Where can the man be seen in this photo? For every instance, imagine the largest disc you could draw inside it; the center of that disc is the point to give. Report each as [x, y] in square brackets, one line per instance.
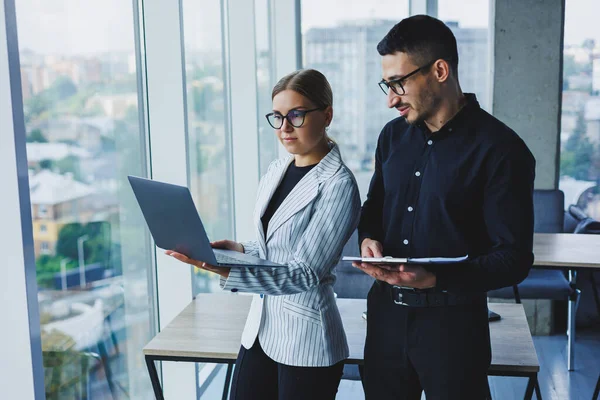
[450, 180]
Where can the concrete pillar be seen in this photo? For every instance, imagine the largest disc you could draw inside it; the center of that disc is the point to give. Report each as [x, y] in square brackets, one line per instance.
[527, 39]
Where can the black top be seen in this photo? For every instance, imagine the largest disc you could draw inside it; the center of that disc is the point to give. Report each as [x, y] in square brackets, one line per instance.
[292, 176]
[465, 189]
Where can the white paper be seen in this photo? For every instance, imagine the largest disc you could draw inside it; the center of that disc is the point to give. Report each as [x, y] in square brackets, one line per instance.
[394, 260]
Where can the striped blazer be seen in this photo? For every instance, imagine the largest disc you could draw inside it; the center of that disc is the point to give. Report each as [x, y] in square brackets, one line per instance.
[296, 317]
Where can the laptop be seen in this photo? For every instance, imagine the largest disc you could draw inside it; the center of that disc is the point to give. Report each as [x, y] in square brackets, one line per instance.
[175, 225]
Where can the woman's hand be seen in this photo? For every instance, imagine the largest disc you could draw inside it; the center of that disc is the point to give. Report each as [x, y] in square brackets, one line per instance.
[222, 271]
[228, 245]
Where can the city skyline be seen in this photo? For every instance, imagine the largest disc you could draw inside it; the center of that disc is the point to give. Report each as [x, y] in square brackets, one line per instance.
[74, 27]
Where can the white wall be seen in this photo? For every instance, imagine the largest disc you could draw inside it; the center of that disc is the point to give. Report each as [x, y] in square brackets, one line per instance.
[19, 337]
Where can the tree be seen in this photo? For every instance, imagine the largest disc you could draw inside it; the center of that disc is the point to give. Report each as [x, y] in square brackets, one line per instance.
[36, 136]
[47, 164]
[67, 240]
[61, 89]
[48, 266]
[580, 159]
[96, 248]
[69, 164]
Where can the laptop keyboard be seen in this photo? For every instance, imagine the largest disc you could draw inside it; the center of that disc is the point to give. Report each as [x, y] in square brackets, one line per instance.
[223, 259]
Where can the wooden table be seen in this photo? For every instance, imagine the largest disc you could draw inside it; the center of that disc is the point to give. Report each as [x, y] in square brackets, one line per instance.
[210, 329]
[566, 250]
[570, 252]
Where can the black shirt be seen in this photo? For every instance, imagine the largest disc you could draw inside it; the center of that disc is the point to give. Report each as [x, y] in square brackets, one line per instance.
[465, 189]
[292, 176]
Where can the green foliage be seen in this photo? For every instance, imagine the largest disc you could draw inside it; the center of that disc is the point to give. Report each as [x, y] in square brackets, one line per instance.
[69, 164]
[96, 249]
[61, 89]
[47, 266]
[47, 164]
[580, 159]
[36, 136]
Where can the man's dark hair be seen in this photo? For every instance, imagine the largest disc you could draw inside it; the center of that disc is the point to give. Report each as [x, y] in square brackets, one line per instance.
[424, 39]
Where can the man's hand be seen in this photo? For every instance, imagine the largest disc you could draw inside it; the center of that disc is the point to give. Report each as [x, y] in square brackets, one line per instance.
[371, 248]
[413, 276]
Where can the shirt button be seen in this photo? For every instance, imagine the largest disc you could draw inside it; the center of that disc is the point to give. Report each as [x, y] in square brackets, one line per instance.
[417, 173]
[410, 208]
[449, 129]
[405, 241]
[430, 142]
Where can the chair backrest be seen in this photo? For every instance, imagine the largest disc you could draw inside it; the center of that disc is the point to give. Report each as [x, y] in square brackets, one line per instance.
[548, 209]
[351, 283]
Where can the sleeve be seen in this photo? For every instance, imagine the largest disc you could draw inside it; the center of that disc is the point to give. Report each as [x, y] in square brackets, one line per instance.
[334, 218]
[508, 216]
[371, 214]
[251, 247]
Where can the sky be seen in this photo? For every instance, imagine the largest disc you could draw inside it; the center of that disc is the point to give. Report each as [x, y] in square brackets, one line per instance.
[95, 26]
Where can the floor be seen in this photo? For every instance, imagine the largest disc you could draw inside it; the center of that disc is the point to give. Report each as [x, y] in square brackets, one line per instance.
[556, 382]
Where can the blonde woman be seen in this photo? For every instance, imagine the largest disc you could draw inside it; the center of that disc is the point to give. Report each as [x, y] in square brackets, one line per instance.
[308, 205]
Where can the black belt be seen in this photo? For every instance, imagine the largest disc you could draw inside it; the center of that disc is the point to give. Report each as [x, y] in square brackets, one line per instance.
[410, 297]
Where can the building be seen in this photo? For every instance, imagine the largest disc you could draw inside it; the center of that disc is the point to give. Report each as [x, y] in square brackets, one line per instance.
[55, 201]
[591, 116]
[347, 55]
[38, 152]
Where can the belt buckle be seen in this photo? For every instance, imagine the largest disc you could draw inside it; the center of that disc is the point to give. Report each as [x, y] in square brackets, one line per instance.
[399, 288]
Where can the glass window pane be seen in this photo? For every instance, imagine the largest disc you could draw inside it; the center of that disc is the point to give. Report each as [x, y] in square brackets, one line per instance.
[268, 145]
[209, 147]
[470, 24]
[580, 119]
[80, 84]
[207, 123]
[341, 42]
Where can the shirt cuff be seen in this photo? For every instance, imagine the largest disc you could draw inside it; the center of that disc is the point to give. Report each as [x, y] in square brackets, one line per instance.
[227, 283]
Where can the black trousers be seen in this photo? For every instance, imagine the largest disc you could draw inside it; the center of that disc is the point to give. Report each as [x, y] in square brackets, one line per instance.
[258, 377]
[444, 351]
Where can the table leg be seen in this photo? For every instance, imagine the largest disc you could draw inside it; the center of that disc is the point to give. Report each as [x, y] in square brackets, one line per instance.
[227, 381]
[154, 378]
[597, 390]
[530, 387]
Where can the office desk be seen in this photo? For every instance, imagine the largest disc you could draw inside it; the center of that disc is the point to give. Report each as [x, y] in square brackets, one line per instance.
[570, 252]
[566, 250]
[210, 329]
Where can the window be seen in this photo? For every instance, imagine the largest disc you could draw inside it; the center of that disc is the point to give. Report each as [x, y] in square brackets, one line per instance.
[341, 42]
[470, 25]
[209, 146]
[268, 144]
[42, 211]
[580, 118]
[80, 85]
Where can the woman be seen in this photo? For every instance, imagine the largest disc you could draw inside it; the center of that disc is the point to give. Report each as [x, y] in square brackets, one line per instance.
[293, 345]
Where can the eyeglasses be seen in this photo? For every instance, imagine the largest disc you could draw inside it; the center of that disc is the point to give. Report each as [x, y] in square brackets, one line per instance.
[396, 84]
[294, 117]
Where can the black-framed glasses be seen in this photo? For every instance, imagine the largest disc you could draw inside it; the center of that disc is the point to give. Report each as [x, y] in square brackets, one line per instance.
[397, 85]
[294, 117]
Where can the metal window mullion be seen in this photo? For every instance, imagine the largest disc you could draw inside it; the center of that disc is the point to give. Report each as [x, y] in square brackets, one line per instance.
[168, 154]
[240, 45]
